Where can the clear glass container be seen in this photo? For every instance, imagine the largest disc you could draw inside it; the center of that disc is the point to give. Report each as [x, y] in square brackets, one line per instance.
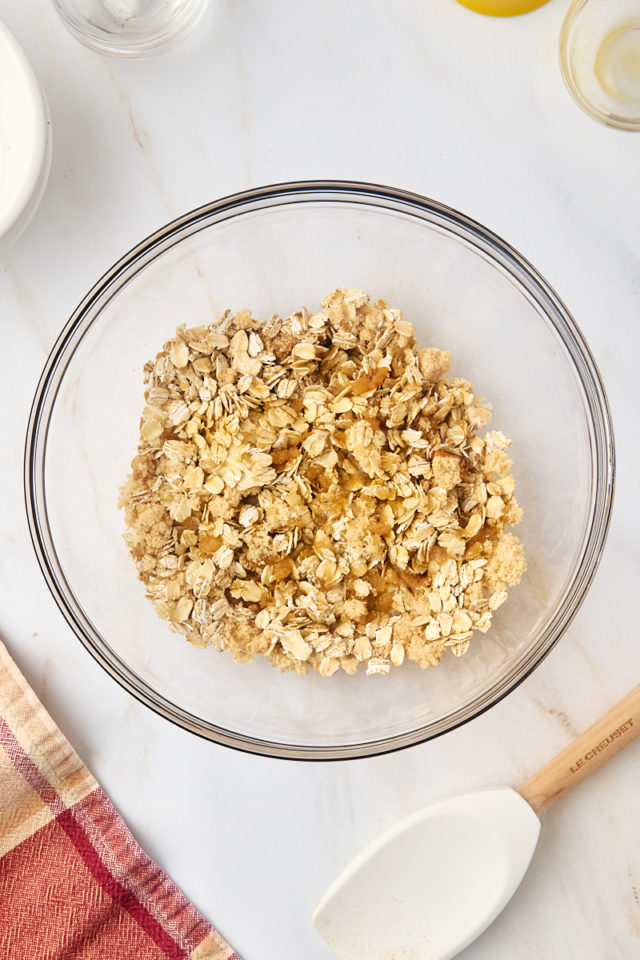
[274, 249]
[600, 59]
[129, 28]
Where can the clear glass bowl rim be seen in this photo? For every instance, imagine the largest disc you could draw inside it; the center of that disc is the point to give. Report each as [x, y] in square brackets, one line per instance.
[277, 195]
[123, 46]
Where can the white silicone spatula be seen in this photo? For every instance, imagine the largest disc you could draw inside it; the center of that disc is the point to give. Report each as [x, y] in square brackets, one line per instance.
[430, 885]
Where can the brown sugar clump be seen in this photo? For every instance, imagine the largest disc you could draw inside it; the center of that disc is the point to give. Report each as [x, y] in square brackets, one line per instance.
[313, 489]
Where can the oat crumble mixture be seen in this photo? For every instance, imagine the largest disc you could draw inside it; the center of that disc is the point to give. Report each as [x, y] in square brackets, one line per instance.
[314, 489]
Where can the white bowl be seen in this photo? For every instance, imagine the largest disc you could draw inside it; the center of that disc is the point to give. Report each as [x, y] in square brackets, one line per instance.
[25, 141]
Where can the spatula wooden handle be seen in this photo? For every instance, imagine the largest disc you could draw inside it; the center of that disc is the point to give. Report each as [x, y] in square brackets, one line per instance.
[584, 756]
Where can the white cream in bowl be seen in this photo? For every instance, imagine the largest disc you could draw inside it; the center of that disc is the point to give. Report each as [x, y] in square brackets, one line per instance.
[25, 143]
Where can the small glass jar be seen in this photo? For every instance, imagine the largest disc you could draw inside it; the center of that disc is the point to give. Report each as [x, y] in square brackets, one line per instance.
[600, 59]
[129, 28]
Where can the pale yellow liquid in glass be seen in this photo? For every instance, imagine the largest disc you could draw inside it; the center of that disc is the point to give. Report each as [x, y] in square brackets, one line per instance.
[617, 63]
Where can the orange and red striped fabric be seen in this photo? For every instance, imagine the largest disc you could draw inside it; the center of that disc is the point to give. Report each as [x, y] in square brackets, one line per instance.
[74, 883]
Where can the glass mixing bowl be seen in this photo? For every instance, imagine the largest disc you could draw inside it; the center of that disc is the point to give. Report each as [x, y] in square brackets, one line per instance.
[274, 249]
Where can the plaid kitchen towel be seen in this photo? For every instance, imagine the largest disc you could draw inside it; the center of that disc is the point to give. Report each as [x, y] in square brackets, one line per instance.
[74, 884]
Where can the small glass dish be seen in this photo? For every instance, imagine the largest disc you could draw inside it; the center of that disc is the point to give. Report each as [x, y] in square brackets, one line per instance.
[599, 55]
[130, 28]
[274, 249]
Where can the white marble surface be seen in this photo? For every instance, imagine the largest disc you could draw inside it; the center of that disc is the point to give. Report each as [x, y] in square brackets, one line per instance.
[419, 94]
